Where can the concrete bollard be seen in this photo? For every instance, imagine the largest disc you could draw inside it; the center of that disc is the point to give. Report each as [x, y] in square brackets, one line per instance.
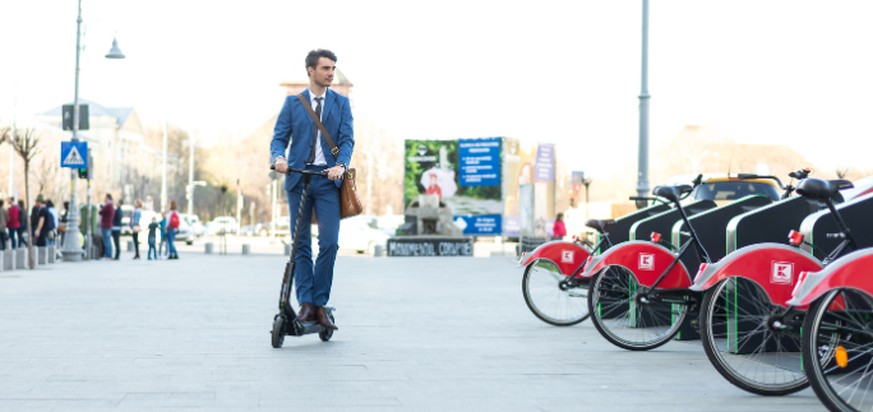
[208, 248]
[3, 261]
[41, 255]
[377, 251]
[246, 248]
[20, 258]
[52, 254]
[130, 246]
[287, 249]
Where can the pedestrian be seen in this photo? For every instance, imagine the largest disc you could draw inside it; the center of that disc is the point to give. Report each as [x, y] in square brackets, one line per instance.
[173, 221]
[107, 212]
[4, 222]
[13, 223]
[310, 150]
[116, 229]
[163, 250]
[34, 214]
[154, 226]
[44, 222]
[53, 234]
[135, 227]
[559, 230]
[23, 235]
[62, 222]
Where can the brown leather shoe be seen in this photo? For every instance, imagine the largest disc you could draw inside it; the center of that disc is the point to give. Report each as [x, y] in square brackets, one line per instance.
[323, 319]
[307, 313]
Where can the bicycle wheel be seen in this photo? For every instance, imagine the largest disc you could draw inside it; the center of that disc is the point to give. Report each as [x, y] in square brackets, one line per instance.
[838, 349]
[740, 341]
[624, 319]
[550, 297]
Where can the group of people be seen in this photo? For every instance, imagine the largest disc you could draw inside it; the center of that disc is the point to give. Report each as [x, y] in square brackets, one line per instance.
[43, 223]
[111, 225]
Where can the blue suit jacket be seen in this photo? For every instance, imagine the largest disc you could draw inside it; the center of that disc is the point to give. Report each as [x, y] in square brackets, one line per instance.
[295, 125]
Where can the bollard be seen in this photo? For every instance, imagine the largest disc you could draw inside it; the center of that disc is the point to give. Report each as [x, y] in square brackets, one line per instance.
[52, 252]
[20, 258]
[41, 255]
[246, 248]
[207, 248]
[130, 246]
[377, 251]
[3, 260]
[287, 249]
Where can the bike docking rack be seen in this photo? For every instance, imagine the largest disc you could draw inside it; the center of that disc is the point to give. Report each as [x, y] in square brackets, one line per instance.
[749, 333]
[640, 297]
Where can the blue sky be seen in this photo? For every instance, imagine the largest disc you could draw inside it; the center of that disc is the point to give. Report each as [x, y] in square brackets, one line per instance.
[777, 71]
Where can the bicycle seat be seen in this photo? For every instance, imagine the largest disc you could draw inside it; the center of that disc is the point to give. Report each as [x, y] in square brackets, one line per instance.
[817, 189]
[599, 224]
[671, 193]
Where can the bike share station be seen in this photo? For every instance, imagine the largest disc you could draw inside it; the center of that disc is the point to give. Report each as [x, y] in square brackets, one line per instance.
[456, 191]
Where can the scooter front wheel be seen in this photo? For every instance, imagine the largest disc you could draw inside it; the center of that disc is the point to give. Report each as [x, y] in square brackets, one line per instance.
[278, 334]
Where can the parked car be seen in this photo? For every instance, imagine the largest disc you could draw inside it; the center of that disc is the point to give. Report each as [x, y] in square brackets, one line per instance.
[222, 225]
[258, 229]
[184, 233]
[197, 228]
[361, 234]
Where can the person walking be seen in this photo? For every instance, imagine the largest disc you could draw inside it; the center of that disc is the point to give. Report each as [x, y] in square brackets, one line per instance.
[44, 222]
[173, 221]
[116, 229]
[135, 227]
[163, 250]
[309, 149]
[4, 222]
[107, 213]
[13, 223]
[53, 234]
[23, 236]
[154, 226]
[559, 229]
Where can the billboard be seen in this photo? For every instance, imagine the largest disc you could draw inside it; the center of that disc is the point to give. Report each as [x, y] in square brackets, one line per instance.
[465, 177]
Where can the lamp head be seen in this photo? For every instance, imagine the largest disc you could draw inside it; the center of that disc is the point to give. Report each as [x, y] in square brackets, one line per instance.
[114, 52]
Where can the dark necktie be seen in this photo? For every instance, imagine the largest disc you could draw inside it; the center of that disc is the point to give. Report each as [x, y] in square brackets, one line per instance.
[315, 135]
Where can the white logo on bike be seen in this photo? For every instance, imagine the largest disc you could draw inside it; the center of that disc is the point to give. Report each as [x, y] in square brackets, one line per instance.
[647, 261]
[566, 256]
[782, 273]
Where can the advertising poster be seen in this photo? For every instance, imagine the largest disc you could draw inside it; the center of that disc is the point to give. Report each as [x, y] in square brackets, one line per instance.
[464, 175]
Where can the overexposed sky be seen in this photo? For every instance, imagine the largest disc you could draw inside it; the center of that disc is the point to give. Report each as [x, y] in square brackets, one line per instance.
[776, 71]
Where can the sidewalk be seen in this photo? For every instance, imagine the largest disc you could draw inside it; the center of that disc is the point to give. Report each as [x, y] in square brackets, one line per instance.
[432, 334]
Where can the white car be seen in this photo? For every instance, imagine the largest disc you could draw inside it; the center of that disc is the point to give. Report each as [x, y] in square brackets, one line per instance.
[196, 228]
[222, 225]
[360, 233]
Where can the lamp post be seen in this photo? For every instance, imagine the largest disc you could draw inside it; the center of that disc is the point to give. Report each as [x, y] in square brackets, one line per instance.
[643, 165]
[72, 251]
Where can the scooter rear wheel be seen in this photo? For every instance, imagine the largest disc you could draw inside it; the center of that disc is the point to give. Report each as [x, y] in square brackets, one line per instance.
[278, 334]
[326, 334]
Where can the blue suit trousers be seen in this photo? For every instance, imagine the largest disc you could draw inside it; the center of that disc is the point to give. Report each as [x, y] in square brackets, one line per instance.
[313, 282]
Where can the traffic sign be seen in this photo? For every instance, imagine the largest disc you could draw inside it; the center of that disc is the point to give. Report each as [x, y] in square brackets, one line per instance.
[74, 155]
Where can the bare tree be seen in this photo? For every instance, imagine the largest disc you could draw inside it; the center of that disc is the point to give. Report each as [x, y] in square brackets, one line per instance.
[26, 144]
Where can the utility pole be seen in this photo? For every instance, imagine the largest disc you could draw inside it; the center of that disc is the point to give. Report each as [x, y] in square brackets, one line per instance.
[643, 163]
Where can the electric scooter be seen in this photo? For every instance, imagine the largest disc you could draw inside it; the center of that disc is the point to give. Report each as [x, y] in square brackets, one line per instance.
[285, 323]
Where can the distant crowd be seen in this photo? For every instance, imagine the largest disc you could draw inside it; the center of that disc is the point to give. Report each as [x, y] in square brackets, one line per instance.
[47, 227]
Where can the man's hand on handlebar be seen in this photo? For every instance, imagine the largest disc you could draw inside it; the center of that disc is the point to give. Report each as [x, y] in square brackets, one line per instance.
[335, 173]
[281, 165]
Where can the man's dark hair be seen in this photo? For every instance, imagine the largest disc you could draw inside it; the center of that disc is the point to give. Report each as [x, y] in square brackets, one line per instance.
[109, 196]
[314, 55]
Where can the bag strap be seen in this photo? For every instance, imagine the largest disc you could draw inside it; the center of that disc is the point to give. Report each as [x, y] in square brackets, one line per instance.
[324, 133]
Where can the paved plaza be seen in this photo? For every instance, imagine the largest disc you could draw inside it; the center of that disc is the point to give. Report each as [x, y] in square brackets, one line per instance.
[417, 334]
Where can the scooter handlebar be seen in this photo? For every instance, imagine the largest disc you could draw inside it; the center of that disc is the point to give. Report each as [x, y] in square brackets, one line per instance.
[302, 171]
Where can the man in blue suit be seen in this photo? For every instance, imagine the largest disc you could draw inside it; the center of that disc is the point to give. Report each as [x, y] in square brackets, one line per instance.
[310, 150]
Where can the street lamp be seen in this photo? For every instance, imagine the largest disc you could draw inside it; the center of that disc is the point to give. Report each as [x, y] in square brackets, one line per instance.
[72, 250]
